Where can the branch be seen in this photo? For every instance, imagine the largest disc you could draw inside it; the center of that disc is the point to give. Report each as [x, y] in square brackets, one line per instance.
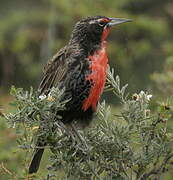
[156, 171]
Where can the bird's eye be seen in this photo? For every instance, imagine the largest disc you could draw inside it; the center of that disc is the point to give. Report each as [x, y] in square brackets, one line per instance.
[101, 23]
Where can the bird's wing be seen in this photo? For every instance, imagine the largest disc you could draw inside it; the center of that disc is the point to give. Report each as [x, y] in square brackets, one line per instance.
[54, 72]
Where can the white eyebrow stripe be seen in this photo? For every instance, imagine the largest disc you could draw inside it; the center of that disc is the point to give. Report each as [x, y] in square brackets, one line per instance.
[92, 22]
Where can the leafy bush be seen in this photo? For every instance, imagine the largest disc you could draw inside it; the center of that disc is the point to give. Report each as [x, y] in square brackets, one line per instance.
[135, 143]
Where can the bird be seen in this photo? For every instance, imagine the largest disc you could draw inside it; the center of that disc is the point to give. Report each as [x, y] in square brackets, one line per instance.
[80, 68]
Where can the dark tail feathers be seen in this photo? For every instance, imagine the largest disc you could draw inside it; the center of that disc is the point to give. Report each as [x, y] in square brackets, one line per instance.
[35, 163]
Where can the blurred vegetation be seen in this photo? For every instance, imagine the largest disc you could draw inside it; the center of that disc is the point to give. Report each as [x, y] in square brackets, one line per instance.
[32, 31]
[164, 80]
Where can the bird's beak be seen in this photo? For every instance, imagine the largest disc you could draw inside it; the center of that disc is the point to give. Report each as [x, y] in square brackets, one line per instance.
[116, 21]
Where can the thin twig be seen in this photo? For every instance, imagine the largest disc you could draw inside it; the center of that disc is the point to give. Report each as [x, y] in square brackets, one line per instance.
[157, 170]
[5, 169]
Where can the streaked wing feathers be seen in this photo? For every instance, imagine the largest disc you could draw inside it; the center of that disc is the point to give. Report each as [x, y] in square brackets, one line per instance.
[54, 72]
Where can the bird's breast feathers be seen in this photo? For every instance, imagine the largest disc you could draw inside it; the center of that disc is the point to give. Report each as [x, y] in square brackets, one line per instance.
[98, 67]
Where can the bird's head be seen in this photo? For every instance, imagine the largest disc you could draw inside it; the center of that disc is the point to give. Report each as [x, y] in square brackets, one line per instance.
[94, 30]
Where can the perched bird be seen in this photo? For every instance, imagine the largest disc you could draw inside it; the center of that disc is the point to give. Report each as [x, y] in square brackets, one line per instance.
[80, 67]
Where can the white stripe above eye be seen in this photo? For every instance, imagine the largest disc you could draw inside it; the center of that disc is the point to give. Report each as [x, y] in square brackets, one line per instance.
[94, 21]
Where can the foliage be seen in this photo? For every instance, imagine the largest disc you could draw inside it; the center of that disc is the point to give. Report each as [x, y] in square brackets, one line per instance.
[164, 78]
[136, 143]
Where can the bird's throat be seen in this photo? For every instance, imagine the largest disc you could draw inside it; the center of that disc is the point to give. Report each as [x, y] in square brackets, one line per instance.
[98, 67]
[105, 34]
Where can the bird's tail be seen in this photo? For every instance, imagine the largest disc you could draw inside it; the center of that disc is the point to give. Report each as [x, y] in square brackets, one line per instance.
[35, 163]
